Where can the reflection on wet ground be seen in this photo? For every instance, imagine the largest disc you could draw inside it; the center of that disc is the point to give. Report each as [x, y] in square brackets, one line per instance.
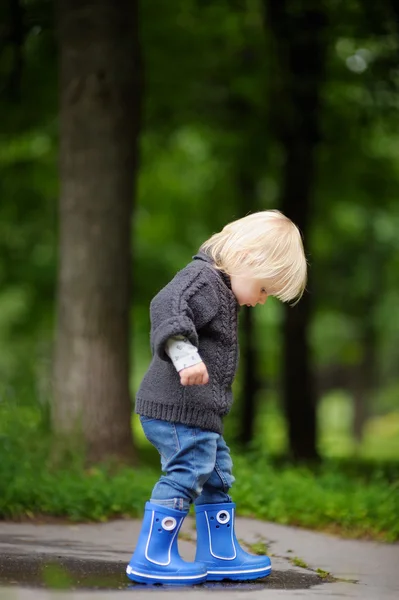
[40, 570]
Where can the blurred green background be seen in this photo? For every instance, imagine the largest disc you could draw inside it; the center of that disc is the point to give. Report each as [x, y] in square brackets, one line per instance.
[232, 115]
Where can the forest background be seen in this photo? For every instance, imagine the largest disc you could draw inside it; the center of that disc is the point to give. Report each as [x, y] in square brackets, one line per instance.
[129, 134]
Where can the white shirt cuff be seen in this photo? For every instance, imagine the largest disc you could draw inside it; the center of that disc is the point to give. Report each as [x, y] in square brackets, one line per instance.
[182, 353]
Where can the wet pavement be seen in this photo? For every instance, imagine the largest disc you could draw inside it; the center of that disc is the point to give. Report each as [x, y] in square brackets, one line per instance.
[76, 574]
[83, 562]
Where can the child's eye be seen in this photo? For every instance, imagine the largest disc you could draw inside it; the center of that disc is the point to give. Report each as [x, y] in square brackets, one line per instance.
[263, 291]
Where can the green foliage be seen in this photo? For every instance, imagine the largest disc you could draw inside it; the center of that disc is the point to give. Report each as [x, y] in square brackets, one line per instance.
[28, 188]
[259, 548]
[335, 416]
[206, 103]
[31, 486]
[323, 574]
[356, 499]
[299, 562]
[324, 498]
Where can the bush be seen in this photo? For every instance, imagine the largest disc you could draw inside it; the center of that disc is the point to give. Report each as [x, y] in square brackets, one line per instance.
[352, 498]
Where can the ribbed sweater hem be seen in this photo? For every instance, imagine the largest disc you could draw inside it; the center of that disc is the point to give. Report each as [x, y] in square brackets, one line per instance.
[180, 413]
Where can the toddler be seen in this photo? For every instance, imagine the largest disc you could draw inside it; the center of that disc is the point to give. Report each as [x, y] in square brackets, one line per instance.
[186, 392]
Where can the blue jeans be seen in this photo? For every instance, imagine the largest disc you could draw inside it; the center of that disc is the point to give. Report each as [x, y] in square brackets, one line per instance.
[197, 464]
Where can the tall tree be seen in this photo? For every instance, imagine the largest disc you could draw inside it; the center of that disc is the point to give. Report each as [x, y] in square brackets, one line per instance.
[99, 126]
[299, 32]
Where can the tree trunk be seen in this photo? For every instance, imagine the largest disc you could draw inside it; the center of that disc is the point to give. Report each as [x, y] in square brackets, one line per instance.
[299, 40]
[99, 124]
[249, 349]
[298, 386]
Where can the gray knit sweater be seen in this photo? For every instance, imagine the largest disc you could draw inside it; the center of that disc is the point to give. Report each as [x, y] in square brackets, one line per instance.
[199, 304]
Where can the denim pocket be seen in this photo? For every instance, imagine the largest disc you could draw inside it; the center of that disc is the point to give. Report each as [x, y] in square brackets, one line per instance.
[162, 435]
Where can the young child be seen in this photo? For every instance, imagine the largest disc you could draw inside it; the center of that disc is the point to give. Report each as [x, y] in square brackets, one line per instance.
[186, 392]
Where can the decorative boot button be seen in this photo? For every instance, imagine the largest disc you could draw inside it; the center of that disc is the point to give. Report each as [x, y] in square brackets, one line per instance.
[169, 523]
[223, 517]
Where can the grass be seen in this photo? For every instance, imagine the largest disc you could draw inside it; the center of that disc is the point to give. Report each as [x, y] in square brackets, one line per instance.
[327, 499]
[298, 562]
[323, 574]
[259, 548]
[354, 498]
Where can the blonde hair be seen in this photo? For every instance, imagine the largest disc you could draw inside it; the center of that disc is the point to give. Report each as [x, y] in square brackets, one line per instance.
[264, 245]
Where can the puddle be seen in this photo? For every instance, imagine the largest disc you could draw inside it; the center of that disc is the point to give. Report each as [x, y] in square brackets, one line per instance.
[65, 573]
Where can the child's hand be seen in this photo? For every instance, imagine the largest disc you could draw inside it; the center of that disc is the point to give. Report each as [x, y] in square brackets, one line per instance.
[195, 375]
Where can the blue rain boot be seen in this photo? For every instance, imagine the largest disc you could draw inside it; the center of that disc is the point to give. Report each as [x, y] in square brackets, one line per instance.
[156, 558]
[219, 550]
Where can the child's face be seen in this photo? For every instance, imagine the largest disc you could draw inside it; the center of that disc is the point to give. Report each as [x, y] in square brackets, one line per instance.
[249, 292]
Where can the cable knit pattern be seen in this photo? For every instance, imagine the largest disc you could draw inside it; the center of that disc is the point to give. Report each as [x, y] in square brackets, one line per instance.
[199, 304]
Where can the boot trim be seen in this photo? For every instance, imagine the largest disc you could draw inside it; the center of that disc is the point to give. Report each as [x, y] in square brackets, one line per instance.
[238, 571]
[231, 534]
[131, 571]
[176, 524]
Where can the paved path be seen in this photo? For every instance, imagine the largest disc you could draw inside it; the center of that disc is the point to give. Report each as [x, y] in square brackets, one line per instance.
[96, 555]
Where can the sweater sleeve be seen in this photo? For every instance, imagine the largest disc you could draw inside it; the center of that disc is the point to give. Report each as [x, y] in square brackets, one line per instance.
[182, 307]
